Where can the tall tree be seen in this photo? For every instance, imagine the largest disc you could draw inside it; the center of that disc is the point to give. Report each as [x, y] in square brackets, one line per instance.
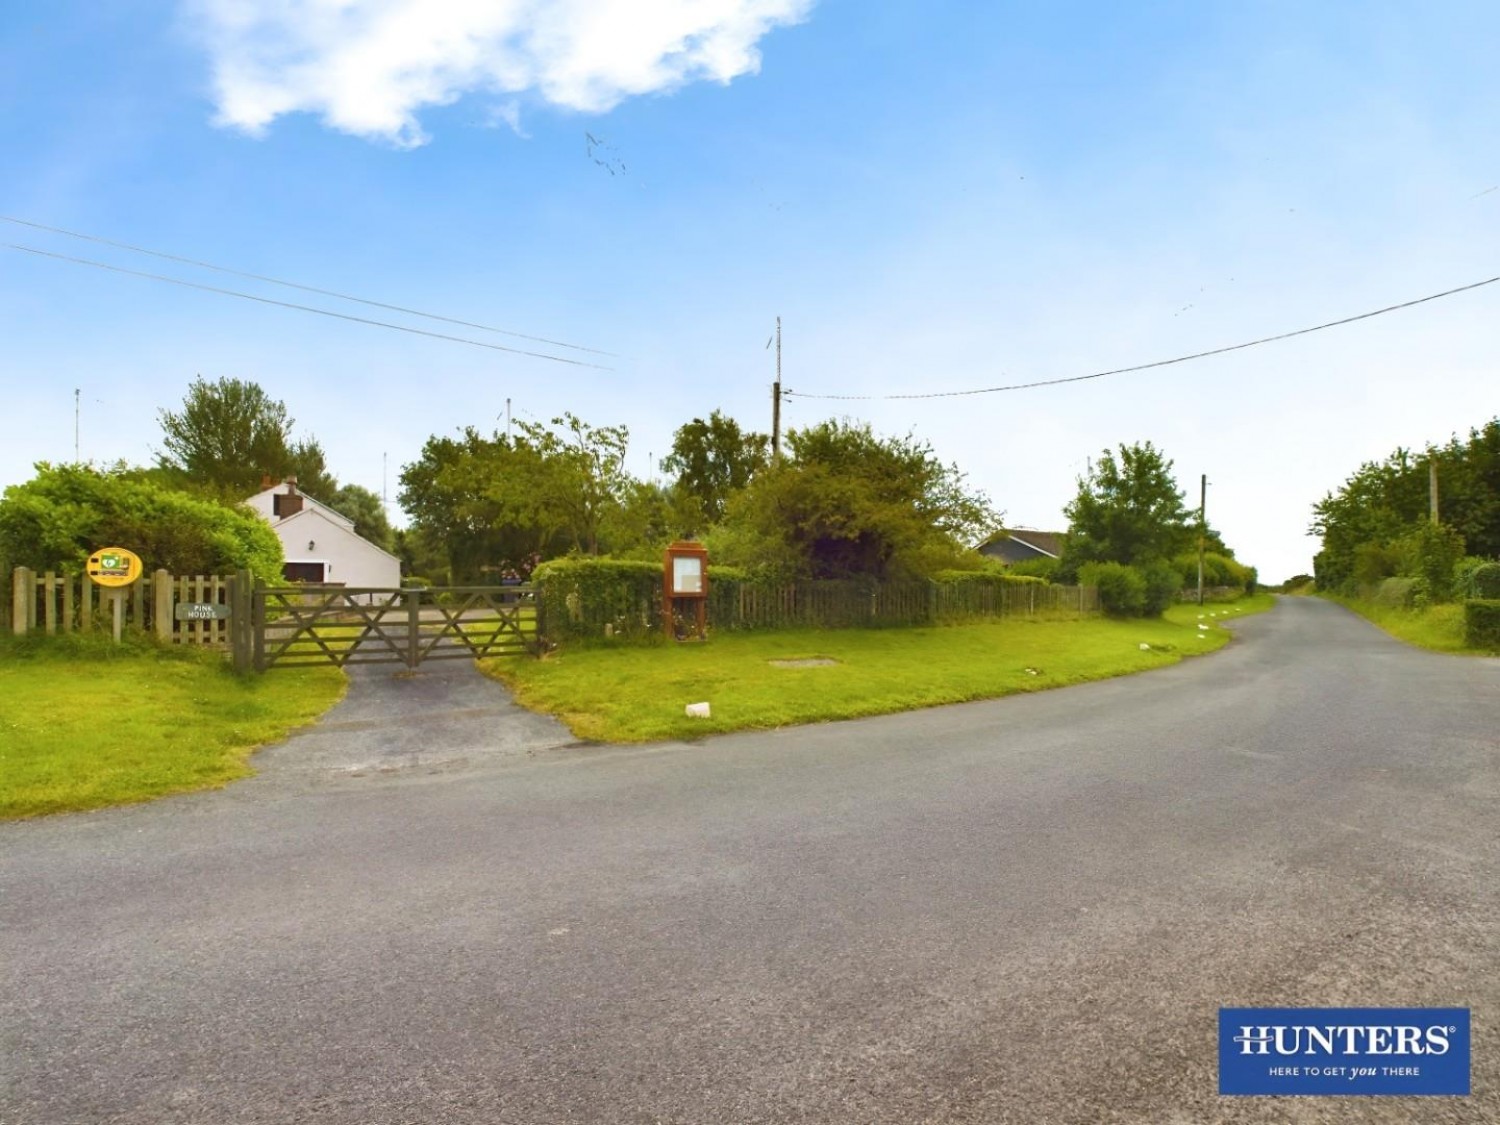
[501, 501]
[227, 435]
[368, 513]
[578, 474]
[230, 434]
[714, 459]
[847, 503]
[307, 462]
[1128, 510]
[1370, 522]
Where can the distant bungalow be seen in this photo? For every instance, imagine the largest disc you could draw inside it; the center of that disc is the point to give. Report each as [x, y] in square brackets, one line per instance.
[1021, 544]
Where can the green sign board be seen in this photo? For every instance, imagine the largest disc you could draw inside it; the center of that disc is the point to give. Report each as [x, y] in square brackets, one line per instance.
[201, 611]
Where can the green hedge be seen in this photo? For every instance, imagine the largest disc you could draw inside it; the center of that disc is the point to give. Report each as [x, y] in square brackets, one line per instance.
[577, 598]
[985, 578]
[1482, 624]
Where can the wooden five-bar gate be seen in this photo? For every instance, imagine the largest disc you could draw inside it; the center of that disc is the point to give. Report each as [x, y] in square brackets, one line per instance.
[345, 625]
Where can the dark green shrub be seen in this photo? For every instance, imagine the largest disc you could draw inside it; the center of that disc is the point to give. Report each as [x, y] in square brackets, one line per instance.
[1162, 584]
[1430, 553]
[1463, 576]
[1373, 562]
[1482, 624]
[1485, 581]
[1122, 589]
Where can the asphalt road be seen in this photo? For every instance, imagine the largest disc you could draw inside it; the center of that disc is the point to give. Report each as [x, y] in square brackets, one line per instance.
[1021, 911]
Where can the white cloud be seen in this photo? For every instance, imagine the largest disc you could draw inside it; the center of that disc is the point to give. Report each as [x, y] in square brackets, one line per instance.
[368, 67]
[507, 114]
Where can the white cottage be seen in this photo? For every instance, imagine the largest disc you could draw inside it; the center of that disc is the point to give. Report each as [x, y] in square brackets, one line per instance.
[320, 544]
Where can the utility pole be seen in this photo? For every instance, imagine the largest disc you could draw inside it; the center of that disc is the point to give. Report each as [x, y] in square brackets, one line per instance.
[77, 410]
[507, 420]
[1202, 529]
[1432, 493]
[776, 400]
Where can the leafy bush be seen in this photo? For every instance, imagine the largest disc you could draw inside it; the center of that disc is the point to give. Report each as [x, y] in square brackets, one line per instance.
[1397, 593]
[1162, 585]
[56, 520]
[1373, 563]
[1122, 589]
[1485, 581]
[1430, 553]
[1482, 623]
[1045, 569]
[1218, 570]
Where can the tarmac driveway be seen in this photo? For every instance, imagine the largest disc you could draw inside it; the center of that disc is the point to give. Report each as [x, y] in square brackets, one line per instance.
[444, 715]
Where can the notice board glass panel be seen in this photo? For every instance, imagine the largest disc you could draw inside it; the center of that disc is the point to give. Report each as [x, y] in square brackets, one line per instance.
[687, 575]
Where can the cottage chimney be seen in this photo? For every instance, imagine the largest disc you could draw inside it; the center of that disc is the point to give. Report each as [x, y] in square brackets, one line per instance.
[266, 481]
[287, 503]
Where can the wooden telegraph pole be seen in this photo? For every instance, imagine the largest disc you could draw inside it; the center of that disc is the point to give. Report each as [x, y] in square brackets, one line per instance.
[776, 400]
[1202, 529]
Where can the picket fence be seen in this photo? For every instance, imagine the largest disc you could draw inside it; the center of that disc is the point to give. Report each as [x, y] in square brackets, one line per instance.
[51, 603]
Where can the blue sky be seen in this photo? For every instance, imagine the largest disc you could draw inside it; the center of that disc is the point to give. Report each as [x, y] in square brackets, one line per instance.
[933, 197]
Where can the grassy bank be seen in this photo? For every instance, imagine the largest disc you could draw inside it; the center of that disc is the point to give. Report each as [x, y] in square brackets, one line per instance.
[636, 694]
[1438, 627]
[84, 724]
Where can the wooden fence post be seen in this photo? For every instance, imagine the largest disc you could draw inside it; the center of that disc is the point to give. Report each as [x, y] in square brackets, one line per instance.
[241, 627]
[85, 603]
[18, 601]
[49, 602]
[161, 605]
[258, 625]
[413, 622]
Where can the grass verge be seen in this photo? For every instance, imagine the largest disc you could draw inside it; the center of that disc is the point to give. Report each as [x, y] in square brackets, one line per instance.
[1438, 627]
[85, 724]
[629, 693]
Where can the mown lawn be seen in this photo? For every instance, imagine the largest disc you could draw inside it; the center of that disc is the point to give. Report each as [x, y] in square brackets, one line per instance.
[628, 693]
[84, 725]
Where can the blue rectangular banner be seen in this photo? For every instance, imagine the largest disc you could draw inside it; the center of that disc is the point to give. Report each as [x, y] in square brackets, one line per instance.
[1399, 1051]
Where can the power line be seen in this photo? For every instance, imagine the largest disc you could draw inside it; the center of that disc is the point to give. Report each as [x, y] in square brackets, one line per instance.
[300, 308]
[1159, 362]
[295, 285]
